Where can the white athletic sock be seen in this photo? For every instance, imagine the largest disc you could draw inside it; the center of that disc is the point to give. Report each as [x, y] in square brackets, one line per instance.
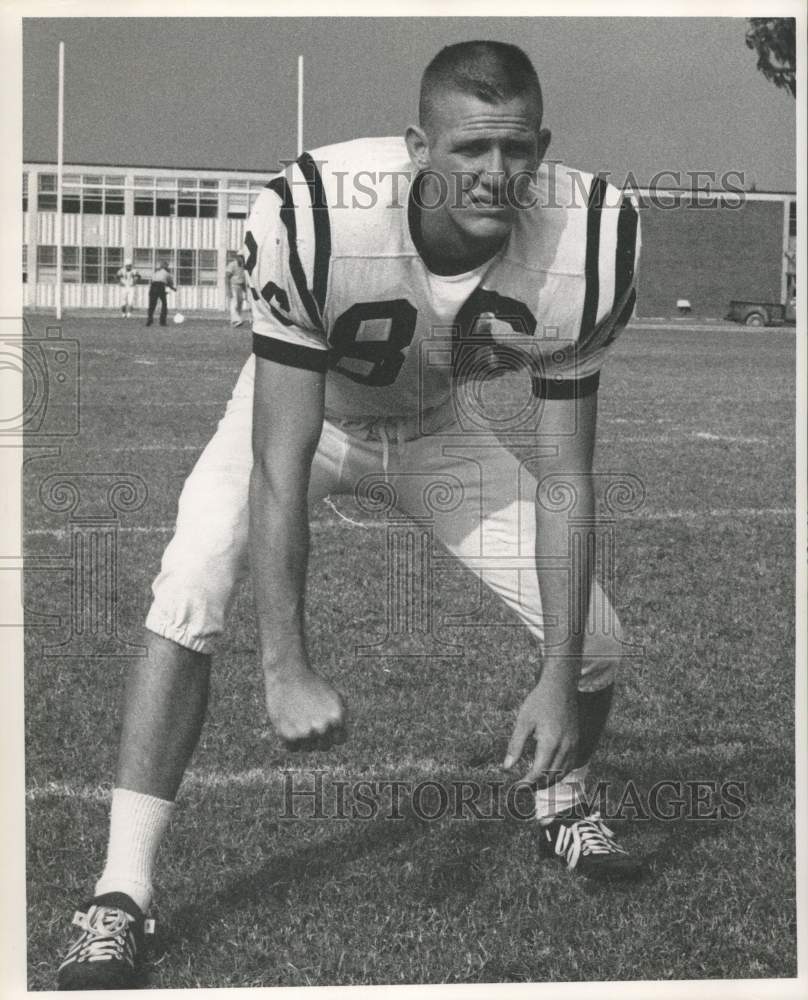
[136, 827]
[562, 795]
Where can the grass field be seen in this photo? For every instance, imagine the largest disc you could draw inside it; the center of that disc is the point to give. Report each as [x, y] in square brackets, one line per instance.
[247, 898]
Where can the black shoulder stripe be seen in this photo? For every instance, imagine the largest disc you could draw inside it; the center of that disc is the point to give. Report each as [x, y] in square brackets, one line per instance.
[279, 316]
[589, 313]
[281, 188]
[627, 310]
[568, 388]
[626, 250]
[294, 355]
[252, 248]
[322, 227]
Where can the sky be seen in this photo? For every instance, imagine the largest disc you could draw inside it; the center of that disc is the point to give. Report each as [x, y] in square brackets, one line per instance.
[638, 95]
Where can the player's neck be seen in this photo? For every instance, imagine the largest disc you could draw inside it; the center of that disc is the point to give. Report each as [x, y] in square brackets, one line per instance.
[445, 253]
[444, 249]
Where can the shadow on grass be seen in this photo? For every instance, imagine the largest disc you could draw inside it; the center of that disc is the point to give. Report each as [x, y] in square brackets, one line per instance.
[433, 862]
[454, 864]
[762, 777]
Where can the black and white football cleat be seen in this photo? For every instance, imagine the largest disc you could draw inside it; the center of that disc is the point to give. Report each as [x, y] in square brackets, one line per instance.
[586, 845]
[108, 954]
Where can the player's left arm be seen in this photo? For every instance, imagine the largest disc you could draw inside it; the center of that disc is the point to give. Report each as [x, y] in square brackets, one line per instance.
[549, 713]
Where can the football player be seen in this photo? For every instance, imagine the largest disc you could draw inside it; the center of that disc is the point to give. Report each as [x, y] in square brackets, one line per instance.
[235, 280]
[388, 276]
[127, 278]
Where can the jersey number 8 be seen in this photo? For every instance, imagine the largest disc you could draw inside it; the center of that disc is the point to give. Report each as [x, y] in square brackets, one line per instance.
[368, 341]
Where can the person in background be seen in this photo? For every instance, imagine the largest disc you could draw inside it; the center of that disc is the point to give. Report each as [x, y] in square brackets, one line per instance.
[161, 279]
[235, 285]
[128, 278]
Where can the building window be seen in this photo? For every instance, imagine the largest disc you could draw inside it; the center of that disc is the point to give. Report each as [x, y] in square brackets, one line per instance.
[89, 265]
[143, 261]
[207, 273]
[25, 191]
[187, 198]
[71, 265]
[241, 197]
[208, 199]
[165, 203]
[189, 267]
[197, 199]
[46, 193]
[71, 194]
[186, 266]
[144, 196]
[113, 262]
[113, 195]
[237, 199]
[46, 264]
[792, 219]
[92, 195]
[146, 260]
[196, 267]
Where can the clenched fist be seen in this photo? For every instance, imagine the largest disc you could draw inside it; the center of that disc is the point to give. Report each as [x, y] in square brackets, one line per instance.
[305, 710]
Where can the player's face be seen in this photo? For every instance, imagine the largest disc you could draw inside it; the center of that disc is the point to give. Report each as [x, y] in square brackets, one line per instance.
[487, 155]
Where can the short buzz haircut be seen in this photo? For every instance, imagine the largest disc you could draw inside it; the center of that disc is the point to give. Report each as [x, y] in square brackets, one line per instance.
[491, 71]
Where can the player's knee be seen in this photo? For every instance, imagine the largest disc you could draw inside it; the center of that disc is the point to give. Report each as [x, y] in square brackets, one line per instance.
[193, 592]
[163, 650]
[191, 620]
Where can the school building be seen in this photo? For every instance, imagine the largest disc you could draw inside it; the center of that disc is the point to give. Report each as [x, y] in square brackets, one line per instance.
[707, 250]
[192, 219]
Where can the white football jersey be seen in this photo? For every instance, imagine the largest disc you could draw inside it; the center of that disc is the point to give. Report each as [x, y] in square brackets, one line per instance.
[339, 286]
[128, 279]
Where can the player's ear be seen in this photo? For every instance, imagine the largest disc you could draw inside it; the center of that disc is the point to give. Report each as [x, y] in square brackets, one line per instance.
[417, 146]
[544, 142]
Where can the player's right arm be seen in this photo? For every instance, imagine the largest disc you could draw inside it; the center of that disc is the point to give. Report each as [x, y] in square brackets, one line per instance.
[291, 361]
[303, 707]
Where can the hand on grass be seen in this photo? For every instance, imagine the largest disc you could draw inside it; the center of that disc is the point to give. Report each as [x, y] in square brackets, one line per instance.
[550, 715]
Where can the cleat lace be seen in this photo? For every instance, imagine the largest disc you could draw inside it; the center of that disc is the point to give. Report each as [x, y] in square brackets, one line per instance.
[107, 937]
[584, 837]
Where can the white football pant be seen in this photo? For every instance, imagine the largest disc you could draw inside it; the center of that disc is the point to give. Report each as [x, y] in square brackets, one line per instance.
[475, 496]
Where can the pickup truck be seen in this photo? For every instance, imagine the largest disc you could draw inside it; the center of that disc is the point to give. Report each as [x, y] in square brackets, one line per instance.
[752, 313]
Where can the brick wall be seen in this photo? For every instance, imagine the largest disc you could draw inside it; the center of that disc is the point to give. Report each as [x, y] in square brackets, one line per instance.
[709, 256]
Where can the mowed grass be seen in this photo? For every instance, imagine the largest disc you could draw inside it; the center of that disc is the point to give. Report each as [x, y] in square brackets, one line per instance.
[249, 898]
